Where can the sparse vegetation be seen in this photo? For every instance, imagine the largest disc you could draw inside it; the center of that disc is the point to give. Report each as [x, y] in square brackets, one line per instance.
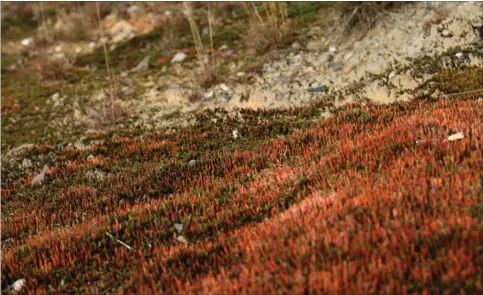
[270, 26]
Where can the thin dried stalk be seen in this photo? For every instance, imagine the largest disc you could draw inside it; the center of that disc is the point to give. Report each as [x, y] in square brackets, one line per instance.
[106, 57]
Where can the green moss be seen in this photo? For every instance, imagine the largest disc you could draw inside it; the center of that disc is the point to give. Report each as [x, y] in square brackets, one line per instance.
[7, 61]
[18, 26]
[304, 12]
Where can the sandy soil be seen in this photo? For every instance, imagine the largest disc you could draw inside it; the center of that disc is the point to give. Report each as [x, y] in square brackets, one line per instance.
[417, 30]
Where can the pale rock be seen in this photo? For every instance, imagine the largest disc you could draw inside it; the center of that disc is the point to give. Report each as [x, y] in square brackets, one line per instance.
[18, 285]
[456, 136]
[224, 87]
[28, 41]
[208, 95]
[178, 57]
[178, 227]
[143, 65]
[39, 179]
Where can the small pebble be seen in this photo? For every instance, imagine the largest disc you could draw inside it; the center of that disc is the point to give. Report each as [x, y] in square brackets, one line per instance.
[27, 42]
[446, 33]
[456, 136]
[336, 66]
[178, 227]
[208, 95]
[38, 179]
[224, 87]
[224, 98]
[178, 57]
[317, 89]
[18, 285]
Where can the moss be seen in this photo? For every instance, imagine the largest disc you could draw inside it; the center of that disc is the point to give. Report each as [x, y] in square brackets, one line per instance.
[304, 12]
[229, 35]
[18, 26]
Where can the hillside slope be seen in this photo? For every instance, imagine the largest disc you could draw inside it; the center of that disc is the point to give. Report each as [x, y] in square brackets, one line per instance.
[372, 200]
[283, 174]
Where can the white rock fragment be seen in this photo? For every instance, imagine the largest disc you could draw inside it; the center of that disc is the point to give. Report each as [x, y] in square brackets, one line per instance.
[332, 49]
[223, 47]
[235, 133]
[456, 136]
[178, 57]
[191, 163]
[90, 157]
[178, 227]
[208, 95]
[391, 75]
[143, 65]
[28, 41]
[446, 33]
[459, 55]
[17, 286]
[224, 87]
[38, 179]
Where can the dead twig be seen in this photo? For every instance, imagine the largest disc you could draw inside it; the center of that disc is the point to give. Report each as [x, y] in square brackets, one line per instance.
[451, 95]
[119, 241]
